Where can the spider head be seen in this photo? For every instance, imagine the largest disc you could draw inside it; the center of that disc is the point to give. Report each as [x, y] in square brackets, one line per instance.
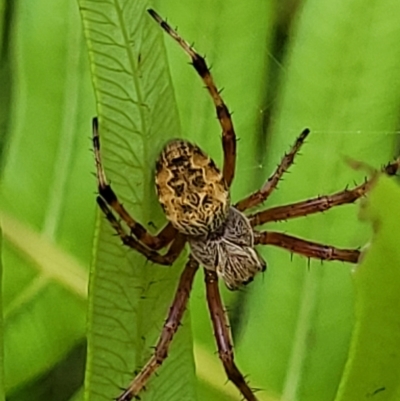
[191, 189]
[229, 251]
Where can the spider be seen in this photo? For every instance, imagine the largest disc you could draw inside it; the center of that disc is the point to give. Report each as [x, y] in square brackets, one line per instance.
[194, 194]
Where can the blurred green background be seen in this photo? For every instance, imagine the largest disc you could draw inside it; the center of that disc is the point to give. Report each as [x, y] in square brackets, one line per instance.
[330, 65]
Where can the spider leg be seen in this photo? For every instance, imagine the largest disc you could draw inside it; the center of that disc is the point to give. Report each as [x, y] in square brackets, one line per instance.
[164, 237]
[261, 196]
[223, 114]
[168, 259]
[306, 248]
[319, 203]
[222, 335]
[170, 327]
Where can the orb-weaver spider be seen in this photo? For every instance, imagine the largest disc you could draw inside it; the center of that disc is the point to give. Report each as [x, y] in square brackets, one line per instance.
[194, 195]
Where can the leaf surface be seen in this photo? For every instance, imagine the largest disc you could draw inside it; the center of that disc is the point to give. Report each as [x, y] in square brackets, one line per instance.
[129, 298]
[43, 191]
[373, 365]
[341, 81]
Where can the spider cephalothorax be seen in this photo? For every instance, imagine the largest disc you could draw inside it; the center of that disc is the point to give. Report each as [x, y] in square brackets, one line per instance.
[195, 197]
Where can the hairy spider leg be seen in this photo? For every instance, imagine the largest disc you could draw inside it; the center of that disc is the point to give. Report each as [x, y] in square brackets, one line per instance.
[319, 203]
[223, 336]
[304, 208]
[170, 327]
[168, 259]
[262, 195]
[223, 114]
[306, 248]
[163, 238]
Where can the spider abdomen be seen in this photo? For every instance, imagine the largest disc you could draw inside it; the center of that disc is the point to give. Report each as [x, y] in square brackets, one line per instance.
[191, 189]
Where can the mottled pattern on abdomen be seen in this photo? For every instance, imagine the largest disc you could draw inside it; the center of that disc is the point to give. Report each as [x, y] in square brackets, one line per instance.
[191, 189]
[230, 251]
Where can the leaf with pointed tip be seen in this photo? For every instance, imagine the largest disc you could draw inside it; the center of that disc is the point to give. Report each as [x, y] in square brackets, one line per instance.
[129, 297]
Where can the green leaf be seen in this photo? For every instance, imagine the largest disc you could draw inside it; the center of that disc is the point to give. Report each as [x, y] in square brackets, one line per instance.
[2, 387]
[129, 298]
[373, 365]
[341, 81]
[44, 194]
[78, 396]
[7, 11]
[5, 101]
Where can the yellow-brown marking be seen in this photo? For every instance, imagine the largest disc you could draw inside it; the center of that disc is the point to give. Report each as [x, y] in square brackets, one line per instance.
[191, 189]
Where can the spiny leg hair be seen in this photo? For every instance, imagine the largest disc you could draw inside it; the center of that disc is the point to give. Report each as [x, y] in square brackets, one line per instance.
[170, 327]
[262, 195]
[306, 248]
[319, 203]
[163, 238]
[303, 247]
[223, 114]
[168, 259]
[222, 335]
